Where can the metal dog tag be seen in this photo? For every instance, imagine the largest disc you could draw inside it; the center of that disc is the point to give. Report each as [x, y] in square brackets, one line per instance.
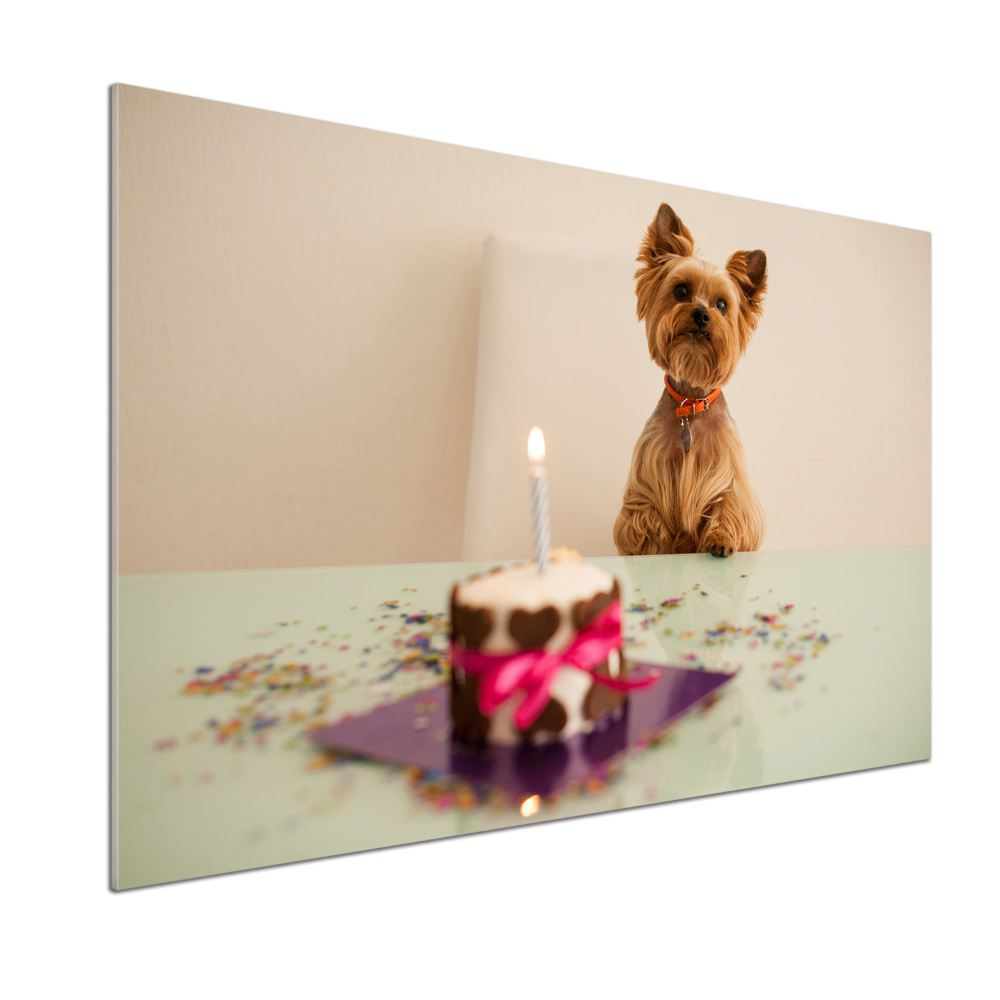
[686, 435]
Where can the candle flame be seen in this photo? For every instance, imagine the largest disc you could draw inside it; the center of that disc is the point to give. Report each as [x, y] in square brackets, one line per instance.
[530, 806]
[536, 445]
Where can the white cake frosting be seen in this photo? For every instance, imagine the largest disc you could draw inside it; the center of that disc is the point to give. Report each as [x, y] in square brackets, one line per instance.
[525, 588]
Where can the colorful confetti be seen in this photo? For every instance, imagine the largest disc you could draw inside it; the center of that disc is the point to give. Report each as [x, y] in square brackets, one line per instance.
[420, 651]
[284, 691]
[784, 648]
[653, 616]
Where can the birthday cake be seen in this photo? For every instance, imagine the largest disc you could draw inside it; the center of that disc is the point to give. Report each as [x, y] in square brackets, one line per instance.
[536, 656]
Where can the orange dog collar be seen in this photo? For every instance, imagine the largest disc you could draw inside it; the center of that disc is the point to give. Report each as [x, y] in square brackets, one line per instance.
[696, 405]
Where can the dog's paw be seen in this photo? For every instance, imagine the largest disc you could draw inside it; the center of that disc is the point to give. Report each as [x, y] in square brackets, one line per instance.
[719, 550]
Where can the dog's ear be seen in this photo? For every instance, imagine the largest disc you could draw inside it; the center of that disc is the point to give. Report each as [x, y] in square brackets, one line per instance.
[748, 268]
[668, 236]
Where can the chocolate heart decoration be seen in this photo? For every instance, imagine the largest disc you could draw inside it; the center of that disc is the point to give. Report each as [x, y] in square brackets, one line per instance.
[532, 629]
[600, 699]
[583, 611]
[552, 720]
[470, 626]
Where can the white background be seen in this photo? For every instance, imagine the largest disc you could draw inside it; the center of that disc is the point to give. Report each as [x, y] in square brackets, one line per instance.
[878, 883]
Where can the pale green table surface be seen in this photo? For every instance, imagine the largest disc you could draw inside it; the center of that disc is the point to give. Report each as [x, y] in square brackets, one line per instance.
[197, 791]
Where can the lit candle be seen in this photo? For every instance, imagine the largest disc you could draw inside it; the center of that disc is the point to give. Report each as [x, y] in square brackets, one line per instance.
[539, 497]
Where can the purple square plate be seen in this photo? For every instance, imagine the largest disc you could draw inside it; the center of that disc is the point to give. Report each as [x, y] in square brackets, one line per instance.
[417, 732]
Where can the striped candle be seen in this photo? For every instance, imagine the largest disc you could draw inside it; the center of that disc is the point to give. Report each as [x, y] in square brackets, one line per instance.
[539, 497]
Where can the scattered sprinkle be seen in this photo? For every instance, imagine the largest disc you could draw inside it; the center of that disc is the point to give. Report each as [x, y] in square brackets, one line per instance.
[787, 648]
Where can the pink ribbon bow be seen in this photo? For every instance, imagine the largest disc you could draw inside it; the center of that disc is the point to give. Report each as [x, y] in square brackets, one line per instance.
[501, 675]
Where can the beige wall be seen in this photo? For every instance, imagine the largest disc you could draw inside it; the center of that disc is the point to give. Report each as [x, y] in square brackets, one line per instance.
[297, 319]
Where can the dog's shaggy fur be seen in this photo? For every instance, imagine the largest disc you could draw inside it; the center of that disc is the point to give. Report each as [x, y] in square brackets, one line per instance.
[699, 320]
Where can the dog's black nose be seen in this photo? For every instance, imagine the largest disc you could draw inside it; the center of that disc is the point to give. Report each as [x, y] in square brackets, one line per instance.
[700, 316]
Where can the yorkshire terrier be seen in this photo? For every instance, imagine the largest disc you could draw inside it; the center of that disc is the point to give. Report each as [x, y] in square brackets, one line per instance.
[688, 489]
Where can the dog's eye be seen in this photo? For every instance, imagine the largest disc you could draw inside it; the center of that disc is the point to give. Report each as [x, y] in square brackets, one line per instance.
[681, 292]
[720, 304]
